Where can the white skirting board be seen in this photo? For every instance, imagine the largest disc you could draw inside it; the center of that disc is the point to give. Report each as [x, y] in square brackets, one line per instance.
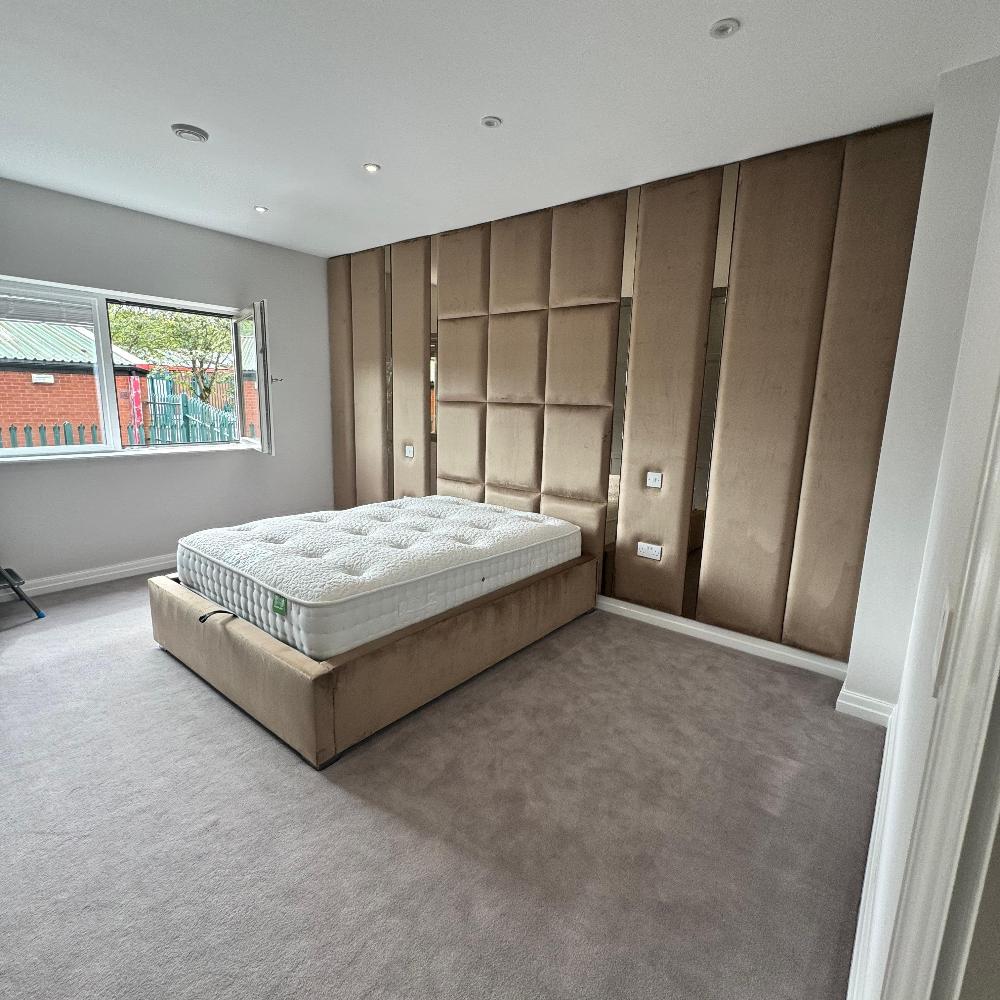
[99, 574]
[863, 706]
[724, 637]
[860, 984]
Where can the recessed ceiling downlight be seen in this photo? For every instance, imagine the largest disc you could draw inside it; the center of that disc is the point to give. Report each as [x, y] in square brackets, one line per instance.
[372, 168]
[189, 132]
[490, 121]
[725, 28]
[260, 209]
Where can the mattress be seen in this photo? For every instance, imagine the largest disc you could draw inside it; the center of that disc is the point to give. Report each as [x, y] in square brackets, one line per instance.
[332, 580]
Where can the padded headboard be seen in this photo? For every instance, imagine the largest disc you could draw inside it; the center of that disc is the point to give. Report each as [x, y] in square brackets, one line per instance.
[527, 337]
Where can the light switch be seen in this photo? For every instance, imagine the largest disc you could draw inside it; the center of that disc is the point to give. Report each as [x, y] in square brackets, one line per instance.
[407, 451]
[647, 550]
[654, 480]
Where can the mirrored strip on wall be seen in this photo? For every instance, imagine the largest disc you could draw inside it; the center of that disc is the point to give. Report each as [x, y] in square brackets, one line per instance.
[621, 387]
[710, 386]
[389, 440]
[433, 374]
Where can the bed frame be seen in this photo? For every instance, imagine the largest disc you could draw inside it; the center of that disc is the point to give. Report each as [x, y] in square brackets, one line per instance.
[321, 708]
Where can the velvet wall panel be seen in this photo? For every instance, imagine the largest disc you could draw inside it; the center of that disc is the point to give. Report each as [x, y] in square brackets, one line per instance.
[786, 211]
[879, 193]
[342, 380]
[675, 257]
[370, 389]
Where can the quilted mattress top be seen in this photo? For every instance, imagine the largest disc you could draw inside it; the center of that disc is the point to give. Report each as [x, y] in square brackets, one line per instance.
[331, 555]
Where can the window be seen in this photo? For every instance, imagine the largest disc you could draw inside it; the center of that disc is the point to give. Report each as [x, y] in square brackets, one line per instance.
[84, 371]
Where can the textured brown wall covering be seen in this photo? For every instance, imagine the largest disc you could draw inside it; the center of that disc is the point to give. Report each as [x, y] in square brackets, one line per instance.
[528, 313]
[370, 400]
[411, 352]
[342, 381]
[675, 257]
[871, 255]
[786, 209]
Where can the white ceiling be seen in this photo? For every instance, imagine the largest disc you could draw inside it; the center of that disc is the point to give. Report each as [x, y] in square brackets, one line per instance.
[596, 95]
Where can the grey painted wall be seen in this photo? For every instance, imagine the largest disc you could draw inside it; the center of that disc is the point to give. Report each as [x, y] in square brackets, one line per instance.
[78, 514]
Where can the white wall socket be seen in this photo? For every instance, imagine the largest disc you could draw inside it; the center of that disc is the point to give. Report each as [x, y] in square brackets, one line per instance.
[407, 451]
[647, 550]
[654, 480]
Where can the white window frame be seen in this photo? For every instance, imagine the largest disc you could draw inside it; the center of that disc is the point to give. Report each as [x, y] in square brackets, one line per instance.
[104, 372]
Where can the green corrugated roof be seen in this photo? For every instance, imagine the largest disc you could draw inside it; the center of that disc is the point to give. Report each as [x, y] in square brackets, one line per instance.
[60, 343]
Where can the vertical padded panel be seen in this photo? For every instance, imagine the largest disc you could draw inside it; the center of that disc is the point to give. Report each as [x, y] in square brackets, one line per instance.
[577, 451]
[583, 343]
[514, 446]
[588, 239]
[462, 360]
[519, 262]
[675, 258]
[368, 315]
[514, 499]
[871, 255]
[338, 271]
[786, 210]
[464, 272]
[517, 357]
[461, 441]
[411, 358]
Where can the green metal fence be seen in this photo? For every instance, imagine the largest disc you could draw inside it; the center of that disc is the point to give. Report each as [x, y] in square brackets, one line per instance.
[45, 435]
[175, 416]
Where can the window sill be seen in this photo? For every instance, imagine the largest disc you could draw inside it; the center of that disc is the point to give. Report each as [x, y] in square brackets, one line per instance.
[97, 453]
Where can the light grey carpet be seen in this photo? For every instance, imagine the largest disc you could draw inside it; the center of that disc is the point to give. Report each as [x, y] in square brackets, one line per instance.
[616, 812]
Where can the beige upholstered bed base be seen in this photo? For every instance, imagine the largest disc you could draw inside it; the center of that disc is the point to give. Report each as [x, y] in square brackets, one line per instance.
[322, 708]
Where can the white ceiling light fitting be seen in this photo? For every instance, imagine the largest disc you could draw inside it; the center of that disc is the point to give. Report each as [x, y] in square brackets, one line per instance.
[490, 121]
[191, 133]
[372, 168]
[260, 209]
[725, 28]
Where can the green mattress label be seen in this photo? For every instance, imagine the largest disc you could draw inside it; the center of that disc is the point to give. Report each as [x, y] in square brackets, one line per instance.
[279, 604]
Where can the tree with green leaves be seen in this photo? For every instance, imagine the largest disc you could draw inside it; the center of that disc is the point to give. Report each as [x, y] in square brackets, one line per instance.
[172, 339]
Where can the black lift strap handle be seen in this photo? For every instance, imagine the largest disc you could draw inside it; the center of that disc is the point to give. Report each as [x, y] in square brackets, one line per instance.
[218, 611]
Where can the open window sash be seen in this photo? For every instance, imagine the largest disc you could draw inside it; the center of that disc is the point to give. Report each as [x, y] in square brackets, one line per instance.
[254, 380]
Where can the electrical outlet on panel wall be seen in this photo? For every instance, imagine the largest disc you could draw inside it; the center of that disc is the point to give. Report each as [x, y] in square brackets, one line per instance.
[647, 550]
[654, 480]
[407, 451]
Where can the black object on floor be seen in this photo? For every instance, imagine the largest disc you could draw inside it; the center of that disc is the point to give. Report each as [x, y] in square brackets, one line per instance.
[12, 579]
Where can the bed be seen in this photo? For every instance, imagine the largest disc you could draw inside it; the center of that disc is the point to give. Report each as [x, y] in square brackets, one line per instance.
[330, 625]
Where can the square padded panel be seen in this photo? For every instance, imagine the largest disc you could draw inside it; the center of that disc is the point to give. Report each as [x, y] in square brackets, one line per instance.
[461, 371]
[463, 272]
[461, 441]
[519, 262]
[457, 488]
[513, 499]
[582, 349]
[517, 357]
[514, 445]
[588, 239]
[577, 451]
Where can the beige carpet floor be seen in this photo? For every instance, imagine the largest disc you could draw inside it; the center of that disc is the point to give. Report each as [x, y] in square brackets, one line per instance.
[615, 812]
